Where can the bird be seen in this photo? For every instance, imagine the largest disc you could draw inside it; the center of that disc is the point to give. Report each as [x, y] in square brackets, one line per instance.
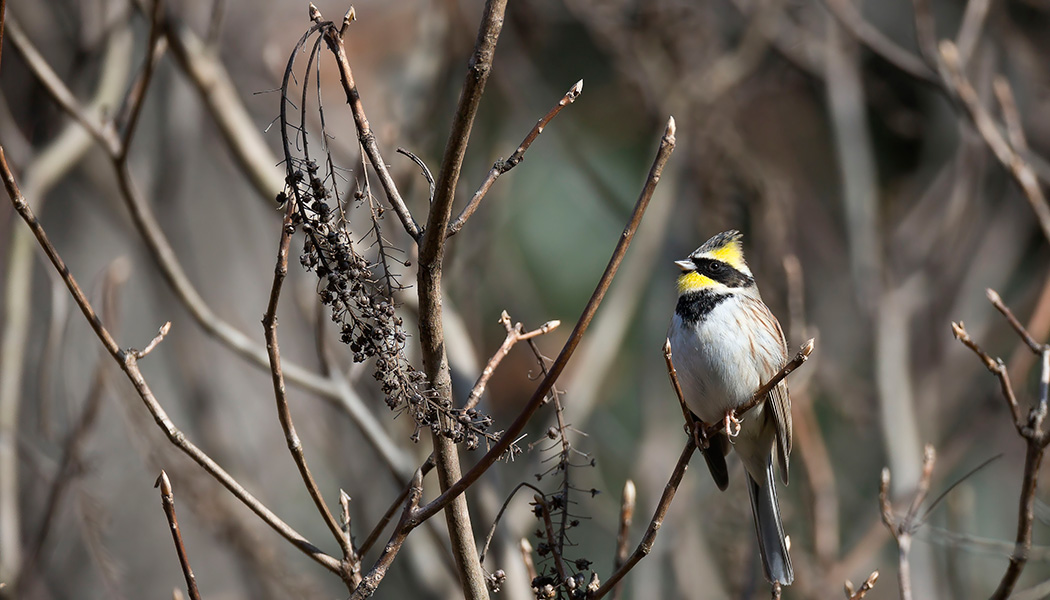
[725, 344]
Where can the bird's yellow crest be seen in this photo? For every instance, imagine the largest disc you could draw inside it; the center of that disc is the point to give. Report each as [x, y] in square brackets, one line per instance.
[731, 253]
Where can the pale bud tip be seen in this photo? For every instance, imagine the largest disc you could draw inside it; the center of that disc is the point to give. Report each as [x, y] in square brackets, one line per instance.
[993, 295]
[949, 51]
[163, 483]
[629, 492]
[671, 127]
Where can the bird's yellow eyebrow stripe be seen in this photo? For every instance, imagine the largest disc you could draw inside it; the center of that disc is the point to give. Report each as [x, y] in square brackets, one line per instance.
[693, 281]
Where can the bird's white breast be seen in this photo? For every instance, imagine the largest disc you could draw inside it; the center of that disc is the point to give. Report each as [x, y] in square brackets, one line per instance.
[716, 360]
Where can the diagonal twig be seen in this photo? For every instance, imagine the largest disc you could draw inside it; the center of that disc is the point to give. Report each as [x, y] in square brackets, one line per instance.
[502, 166]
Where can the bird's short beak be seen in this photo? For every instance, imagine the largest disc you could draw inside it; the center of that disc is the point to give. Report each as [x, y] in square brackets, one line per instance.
[685, 265]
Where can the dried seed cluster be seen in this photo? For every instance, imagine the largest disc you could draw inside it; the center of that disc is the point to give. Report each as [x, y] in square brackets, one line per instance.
[359, 293]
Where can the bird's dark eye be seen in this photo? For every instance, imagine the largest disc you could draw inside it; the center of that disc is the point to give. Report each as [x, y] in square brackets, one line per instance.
[715, 267]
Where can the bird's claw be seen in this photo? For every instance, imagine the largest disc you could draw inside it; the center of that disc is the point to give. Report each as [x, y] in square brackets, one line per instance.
[732, 424]
[700, 435]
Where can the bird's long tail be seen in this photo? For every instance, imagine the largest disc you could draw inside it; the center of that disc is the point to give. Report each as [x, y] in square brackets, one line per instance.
[771, 541]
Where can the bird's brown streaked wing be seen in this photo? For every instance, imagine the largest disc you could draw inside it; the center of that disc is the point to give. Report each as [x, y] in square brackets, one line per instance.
[779, 399]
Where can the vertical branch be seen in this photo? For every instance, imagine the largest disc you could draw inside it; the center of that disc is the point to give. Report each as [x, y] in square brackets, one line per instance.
[627, 504]
[167, 498]
[431, 262]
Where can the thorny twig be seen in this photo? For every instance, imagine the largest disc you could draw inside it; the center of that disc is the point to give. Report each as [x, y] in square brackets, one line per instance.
[167, 498]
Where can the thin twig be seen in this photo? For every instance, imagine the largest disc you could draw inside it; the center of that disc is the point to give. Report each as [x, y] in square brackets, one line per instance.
[375, 575]
[970, 30]
[998, 368]
[858, 594]
[398, 502]
[1011, 116]
[673, 374]
[515, 334]
[902, 530]
[284, 414]
[1029, 341]
[646, 544]
[552, 542]
[1010, 157]
[334, 39]
[711, 429]
[422, 167]
[526, 557]
[502, 166]
[499, 515]
[167, 498]
[164, 329]
[69, 464]
[137, 94]
[850, 18]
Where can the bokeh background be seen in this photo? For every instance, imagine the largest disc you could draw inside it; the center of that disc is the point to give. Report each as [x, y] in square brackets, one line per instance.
[873, 214]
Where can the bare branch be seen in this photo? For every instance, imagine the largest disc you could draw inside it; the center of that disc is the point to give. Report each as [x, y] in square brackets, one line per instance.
[284, 414]
[902, 530]
[998, 368]
[646, 544]
[334, 38]
[852, 20]
[1010, 158]
[167, 499]
[129, 365]
[137, 94]
[164, 329]
[375, 575]
[711, 429]
[997, 302]
[515, 334]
